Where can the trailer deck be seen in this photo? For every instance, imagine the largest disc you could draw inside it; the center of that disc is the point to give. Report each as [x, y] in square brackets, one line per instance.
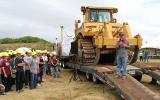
[129, 88]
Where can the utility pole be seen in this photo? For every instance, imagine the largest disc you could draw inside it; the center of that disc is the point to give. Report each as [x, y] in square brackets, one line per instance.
[56, 46]
[62, 34]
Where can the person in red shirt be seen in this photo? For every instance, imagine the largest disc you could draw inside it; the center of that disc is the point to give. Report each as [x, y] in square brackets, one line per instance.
[41, 64]
[6, 73]
[55, 67]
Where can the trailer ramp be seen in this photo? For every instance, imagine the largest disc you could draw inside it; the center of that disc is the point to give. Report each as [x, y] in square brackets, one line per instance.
[131, 89]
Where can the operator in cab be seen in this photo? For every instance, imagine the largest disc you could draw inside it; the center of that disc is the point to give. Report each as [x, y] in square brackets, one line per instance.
[122, 47]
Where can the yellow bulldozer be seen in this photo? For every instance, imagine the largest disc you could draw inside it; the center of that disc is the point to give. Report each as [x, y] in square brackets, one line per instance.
[95, 40]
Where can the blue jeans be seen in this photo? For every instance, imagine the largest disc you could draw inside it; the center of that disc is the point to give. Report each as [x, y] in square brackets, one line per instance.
[121, 66]
[34, 80]
[44, 70]
[56, 71]
[0, 79]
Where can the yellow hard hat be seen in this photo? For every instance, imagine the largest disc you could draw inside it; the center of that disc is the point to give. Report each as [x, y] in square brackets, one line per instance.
[45, 51]
[34, 53]
[1, 54]
[54, 53]
[5, 54]
[38, 51]
[14, 52]
[10, 53]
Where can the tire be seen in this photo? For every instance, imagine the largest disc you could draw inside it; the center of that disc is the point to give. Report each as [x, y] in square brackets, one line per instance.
[88, 76]
[95, 80]
[63, 65]
[138, 76]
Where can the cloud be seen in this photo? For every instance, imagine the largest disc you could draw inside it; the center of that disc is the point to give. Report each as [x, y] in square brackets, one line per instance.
[43, 18]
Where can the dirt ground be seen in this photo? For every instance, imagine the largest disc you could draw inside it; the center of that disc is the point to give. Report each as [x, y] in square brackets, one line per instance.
[61, 89]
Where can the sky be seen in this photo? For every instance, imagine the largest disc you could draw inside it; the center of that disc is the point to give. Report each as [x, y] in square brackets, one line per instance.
[43, 18]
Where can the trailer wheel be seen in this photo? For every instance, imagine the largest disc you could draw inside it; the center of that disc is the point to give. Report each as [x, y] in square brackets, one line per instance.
[138, 76]
[63, 65]
[95, 80]
[88, 76]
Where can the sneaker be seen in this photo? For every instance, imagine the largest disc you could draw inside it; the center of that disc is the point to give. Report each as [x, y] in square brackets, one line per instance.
[3, 93]
[18, 91]
[124, 77]
[38, 84]
[117, 76]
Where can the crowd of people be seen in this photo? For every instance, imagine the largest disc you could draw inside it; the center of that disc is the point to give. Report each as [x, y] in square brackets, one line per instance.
[144, 56]
[27, 69]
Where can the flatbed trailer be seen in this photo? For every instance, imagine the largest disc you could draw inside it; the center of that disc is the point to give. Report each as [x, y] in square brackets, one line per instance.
[128, 89]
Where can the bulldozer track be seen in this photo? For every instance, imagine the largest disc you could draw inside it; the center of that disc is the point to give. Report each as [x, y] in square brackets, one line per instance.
[89, 54]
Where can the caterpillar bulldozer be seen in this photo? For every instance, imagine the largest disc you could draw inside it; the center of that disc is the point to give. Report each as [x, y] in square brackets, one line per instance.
[95, 40]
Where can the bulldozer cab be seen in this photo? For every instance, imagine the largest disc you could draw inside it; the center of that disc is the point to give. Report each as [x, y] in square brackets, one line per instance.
[98, 14]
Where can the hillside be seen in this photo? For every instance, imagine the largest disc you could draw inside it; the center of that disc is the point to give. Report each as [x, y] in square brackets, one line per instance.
[27, 41]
